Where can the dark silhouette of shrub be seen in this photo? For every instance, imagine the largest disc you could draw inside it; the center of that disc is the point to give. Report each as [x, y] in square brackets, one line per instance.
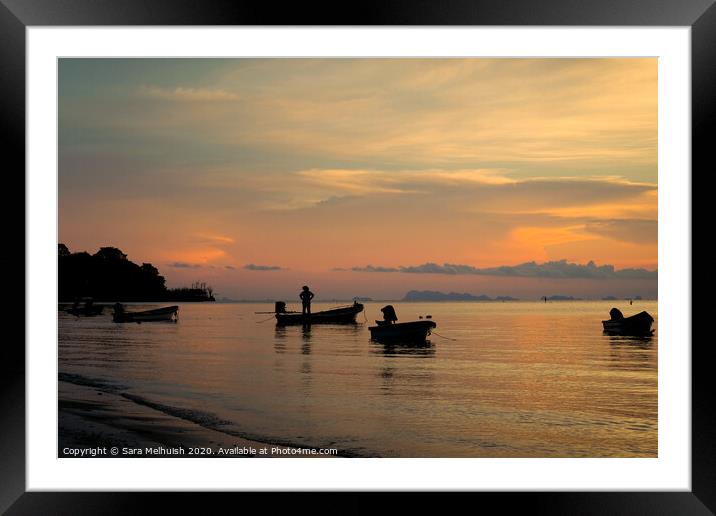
[108, 275]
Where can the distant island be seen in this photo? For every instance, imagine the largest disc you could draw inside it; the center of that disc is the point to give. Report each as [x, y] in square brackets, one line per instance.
[431, 295]
[107, 275]
[614, 298]
[559, 297]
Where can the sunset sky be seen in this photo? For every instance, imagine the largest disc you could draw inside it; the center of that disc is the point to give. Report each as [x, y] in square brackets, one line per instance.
[366, 177]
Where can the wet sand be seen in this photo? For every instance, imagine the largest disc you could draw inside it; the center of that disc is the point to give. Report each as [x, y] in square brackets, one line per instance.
[93, 421]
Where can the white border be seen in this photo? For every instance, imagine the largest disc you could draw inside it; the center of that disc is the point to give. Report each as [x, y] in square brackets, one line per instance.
[671, 471]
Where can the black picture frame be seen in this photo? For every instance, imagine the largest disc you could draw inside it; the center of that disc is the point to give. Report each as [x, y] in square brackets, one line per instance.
[17, 15]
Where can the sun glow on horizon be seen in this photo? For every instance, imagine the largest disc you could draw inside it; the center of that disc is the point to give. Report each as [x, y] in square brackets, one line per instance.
[300, 167]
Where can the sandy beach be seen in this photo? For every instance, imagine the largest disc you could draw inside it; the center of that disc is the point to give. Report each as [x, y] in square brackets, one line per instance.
[93, 421]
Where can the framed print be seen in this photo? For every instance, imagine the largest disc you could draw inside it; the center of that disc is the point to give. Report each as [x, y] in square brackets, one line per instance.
[435, 253]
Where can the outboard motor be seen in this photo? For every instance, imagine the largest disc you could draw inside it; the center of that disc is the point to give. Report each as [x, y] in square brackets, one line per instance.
[389, 313]
[616, 314]
[280, 307]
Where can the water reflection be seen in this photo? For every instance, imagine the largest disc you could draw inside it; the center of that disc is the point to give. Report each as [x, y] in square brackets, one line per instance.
[306, 334]
[387, 375]
[387, 372]
[279, 341]
[531, 380]
[632, 353]
[421, 350]
[101, 344]
[408, 381]
[309, 334]
[306, 370]
[643, 342]
[306, 376]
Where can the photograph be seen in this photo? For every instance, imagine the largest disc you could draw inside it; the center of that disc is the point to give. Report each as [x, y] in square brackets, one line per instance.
[425, 249]
[357, 257]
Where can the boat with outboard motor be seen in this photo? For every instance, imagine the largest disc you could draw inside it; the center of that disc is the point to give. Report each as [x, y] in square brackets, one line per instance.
[390, 331]
[637, 325]
[407, 332]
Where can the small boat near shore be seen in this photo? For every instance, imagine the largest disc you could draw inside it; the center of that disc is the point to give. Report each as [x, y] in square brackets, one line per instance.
[636, 325]
[338, 315]
[407, 332]
[167, 313]
[85, 311]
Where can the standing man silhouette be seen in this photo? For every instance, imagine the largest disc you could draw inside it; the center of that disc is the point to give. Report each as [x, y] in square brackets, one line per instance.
[306, 296]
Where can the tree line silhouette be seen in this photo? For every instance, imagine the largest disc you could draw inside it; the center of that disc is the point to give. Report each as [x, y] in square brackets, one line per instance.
[108, 275]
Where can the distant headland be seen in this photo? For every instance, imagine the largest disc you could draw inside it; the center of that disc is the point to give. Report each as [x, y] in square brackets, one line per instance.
[108, 275]
[431, 295]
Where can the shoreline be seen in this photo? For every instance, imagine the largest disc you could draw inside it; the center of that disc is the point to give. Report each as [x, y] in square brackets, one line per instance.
[92, 422]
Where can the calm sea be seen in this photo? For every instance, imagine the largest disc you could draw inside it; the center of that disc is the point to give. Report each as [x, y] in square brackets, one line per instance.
[512, 379]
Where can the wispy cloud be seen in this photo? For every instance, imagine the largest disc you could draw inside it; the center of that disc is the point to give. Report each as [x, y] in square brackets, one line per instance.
[215, 239]
[182, 94]
[254, 267]
[403, 181]
[483, 189]
[640, 231]
[184, 265]
[554, 269]
[372, 268]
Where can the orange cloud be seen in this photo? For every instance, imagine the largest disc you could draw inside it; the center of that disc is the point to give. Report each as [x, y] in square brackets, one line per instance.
[322, 163]
[195, 256]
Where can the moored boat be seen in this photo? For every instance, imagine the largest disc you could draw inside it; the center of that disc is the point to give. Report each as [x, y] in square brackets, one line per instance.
[167, 313]
[85, 311]
[637, 325]
[338, 315]
[407, 332]
[88, 309]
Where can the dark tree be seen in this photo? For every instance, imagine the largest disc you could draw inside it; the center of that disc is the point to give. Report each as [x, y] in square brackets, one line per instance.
[110, 253]
[149, 269]
[109, 276]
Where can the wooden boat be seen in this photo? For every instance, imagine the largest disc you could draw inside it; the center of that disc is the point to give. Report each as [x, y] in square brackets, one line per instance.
[407, 332]
[85, 311]
[84, 307]
[637, 325]
[167, 313]
[338, 315]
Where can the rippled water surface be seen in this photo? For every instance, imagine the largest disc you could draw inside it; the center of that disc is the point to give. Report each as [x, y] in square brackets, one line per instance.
[520, 379]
